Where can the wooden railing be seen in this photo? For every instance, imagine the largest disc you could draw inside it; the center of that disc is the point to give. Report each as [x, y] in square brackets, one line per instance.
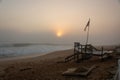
[71, 57]
[86, 52]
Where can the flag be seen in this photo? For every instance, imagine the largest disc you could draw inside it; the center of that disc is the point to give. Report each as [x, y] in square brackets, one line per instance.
[88, 24]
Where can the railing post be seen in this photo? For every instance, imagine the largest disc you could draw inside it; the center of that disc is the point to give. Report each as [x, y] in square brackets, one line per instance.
[102, 53]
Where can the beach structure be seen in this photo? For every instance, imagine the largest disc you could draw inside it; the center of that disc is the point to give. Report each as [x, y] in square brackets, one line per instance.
[83, 52]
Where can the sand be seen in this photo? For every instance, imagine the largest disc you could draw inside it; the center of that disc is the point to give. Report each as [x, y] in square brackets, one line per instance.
[46, 67]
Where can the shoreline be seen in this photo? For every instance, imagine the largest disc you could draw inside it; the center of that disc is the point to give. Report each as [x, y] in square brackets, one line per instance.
[29, 51]
[22, 57]
[29, 56]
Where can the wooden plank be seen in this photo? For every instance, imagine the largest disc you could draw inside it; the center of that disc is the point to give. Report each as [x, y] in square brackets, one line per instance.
[71, 57]
[71, 72]
[87, 72]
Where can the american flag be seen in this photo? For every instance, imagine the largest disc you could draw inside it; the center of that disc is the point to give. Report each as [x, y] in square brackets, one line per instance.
[88, 24]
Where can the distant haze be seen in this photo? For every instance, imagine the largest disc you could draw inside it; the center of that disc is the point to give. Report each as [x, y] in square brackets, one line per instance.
[59, 21]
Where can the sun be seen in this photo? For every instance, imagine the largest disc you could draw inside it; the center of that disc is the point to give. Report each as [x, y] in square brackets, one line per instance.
[59, 34]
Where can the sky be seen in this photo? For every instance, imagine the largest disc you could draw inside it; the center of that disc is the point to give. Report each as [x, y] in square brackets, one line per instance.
[59, 21]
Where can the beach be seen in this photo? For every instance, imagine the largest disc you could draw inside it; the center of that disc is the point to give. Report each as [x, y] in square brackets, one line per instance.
[51, 67]
[59, 40]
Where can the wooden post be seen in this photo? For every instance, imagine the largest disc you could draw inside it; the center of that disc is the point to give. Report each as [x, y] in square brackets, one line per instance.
[75, 43]
[85, 48]
[74, 50]
[81, 49]
[102, 54]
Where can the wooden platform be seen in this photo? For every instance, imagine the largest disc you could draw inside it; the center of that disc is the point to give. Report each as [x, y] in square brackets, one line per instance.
[78, 72]
[83, 52]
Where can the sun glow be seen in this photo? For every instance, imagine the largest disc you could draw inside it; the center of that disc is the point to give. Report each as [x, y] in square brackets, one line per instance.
[59, 34]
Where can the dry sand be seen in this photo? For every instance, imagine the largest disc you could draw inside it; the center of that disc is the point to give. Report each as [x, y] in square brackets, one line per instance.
[45, 67]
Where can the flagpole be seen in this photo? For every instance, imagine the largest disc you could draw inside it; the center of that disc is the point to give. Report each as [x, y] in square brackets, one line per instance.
[87, 36]
[87, 26]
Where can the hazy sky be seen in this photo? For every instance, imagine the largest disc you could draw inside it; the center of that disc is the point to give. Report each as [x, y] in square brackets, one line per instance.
[59, 21]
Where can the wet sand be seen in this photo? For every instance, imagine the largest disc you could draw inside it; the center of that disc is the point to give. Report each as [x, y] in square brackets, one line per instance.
[46, 67]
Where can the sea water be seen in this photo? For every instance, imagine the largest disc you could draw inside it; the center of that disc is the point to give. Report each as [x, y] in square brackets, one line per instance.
[10, 51]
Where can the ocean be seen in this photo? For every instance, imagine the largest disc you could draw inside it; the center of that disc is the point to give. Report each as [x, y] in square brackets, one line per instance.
[21, 50]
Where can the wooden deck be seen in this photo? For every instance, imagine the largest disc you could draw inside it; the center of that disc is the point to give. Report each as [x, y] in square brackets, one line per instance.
[82, 52]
